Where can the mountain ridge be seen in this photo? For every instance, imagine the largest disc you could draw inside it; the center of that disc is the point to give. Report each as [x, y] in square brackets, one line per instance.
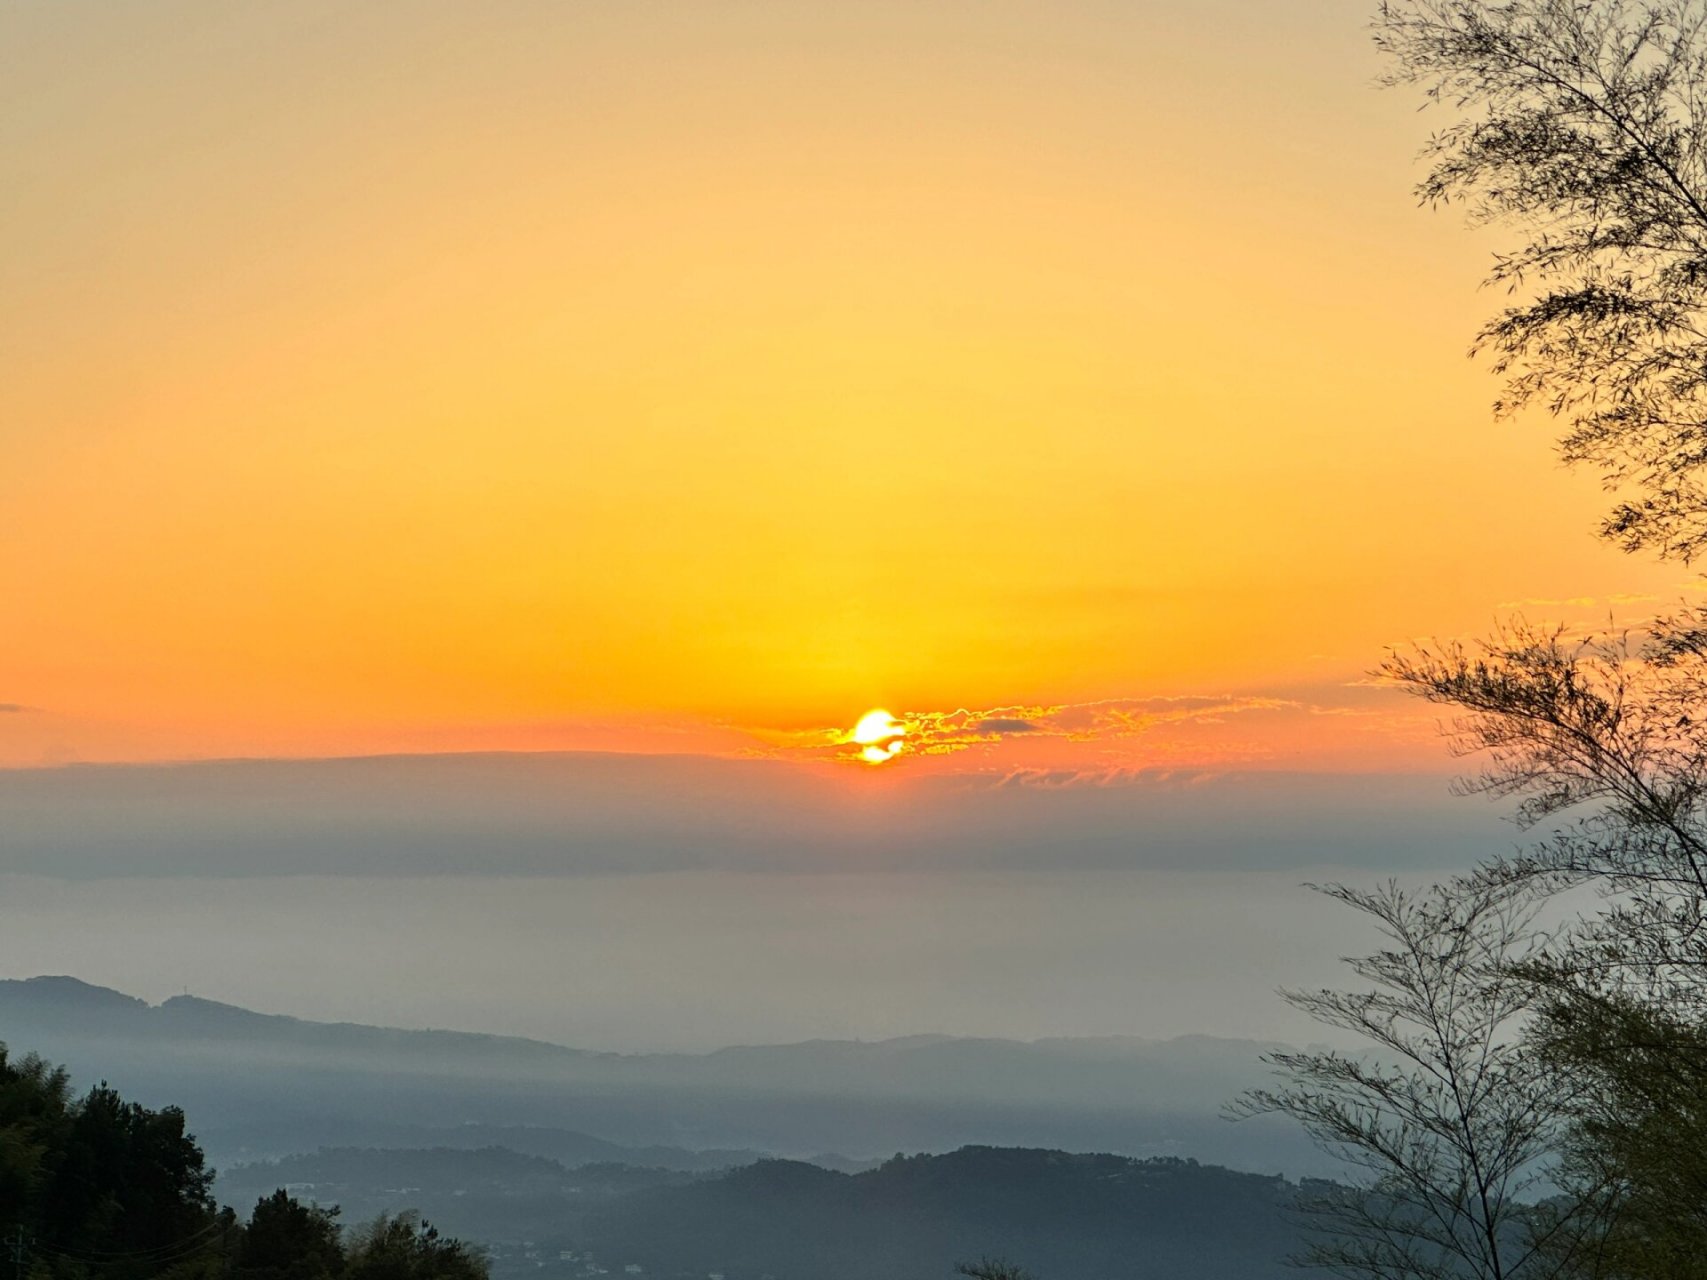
[267, 1085]
[202, 1005]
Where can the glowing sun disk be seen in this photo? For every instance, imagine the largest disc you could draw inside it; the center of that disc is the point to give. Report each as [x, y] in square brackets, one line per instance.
[879, 735]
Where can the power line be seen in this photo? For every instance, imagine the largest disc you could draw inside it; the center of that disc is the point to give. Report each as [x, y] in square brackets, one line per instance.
[19, 1244]
[104, 1257]
[169, 1247]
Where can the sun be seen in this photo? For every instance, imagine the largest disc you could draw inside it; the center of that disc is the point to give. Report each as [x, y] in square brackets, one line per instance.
[879, 735]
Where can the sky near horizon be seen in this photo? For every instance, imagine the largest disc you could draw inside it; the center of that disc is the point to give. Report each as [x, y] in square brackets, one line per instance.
[586, 411]
[680, 377]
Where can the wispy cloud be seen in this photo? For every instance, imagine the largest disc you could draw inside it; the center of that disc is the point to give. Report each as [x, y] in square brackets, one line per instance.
[14, 708]
[937, 733]
[999, 725]
[1112, 776]
[1578, 602]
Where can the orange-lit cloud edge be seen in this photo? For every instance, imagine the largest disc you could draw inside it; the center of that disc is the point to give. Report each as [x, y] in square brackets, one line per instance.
[1349, 726]
[1351, 723]
[1335, 727]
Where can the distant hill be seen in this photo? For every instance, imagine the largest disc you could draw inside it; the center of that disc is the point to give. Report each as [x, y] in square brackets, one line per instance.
[264, 1085]
[1064, 1216]
[568, 1147]
[1083, 1217]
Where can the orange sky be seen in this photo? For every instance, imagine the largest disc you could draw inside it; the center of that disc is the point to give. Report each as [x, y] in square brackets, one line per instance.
[674, 376]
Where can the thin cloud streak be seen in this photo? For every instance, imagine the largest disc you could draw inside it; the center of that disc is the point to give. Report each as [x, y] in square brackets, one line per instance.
[1103, 721]
[1091, 738]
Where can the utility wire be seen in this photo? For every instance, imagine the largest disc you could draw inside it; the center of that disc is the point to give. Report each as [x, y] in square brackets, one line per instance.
[178, 1248]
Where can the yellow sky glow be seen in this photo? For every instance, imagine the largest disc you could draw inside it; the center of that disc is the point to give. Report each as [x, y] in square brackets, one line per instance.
[686, 377]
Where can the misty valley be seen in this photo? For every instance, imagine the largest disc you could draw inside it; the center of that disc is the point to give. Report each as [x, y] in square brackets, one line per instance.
[776, 1161]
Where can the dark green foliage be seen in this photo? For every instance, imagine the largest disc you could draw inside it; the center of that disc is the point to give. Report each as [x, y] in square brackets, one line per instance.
[33, 1101]
[126, 1184]
[1639, 1116]
[405, 1247]
[100, 1188]
[97, 1188]
[286, 1240]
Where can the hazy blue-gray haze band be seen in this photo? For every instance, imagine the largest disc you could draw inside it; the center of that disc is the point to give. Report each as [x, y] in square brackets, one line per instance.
[584, 813]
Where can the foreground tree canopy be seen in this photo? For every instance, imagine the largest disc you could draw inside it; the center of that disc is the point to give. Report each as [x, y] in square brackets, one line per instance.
[1450, 1122]
[1580, 124]
[1535, 1104]
[97, 1188]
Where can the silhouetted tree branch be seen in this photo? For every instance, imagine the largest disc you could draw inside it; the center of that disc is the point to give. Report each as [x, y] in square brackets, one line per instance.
[1582, 124]
[1445, 1120]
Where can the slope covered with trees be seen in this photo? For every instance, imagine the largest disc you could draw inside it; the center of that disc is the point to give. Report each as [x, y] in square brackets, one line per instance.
[1087, 1217]
[93, 1187]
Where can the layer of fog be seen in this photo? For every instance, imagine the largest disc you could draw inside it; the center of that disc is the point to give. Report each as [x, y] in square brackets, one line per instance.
[698, 960]
[555, 814]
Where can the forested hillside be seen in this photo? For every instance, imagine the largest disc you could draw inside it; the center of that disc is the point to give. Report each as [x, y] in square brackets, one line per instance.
[93, 1187]
[261, 1086]
[1084, 1217]
[1065, 1215]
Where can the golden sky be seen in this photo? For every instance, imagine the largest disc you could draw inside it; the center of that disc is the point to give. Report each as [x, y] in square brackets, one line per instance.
[667, 375]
